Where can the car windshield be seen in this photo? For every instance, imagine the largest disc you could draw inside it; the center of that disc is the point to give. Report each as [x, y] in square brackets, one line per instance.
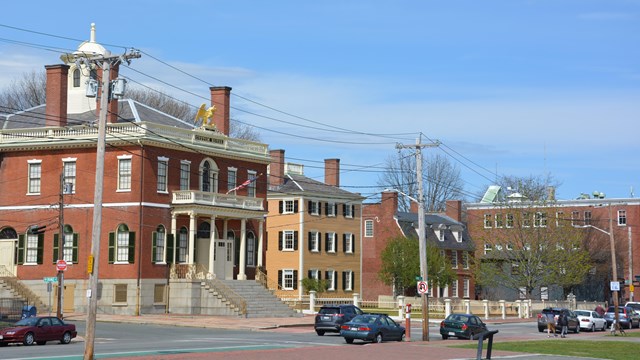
[634, 306]
[461, 318]
[329, 311]
[30, 321]
[582, 313]
[620, 310]
[365, 319]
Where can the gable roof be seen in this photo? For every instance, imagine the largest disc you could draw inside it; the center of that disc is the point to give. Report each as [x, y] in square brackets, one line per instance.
[301, 185]
[408, 223]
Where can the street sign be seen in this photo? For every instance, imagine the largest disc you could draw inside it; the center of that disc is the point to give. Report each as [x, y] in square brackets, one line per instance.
[422, 287]
[615, 286]
[61, 265]
[50, 279]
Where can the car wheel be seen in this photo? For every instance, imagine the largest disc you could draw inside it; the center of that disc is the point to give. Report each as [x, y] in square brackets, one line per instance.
[28, 339]
[2, 344]
[471, 335]
[593, 327]
[540, 329]
[577, 330]
[66, 338]
[403, 337]
[378, 338]
[445, 337]
[348, 340]
[320, 332]
[41, 342]
[604, 327]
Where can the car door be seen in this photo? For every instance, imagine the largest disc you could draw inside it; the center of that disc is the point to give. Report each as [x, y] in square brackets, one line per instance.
[389, 328]
[57, 329]
[43, 330]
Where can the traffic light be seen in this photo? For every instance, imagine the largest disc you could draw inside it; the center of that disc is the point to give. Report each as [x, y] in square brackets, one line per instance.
[36, 230]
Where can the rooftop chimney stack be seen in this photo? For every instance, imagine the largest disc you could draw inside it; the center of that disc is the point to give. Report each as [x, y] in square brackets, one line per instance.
[276, 168]
[332, 172]
[454, 210]
[56, 95]
[220, 99]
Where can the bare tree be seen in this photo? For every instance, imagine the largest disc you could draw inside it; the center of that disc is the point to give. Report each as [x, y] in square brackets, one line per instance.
[24, 93]
[533, 187]
[442, 182]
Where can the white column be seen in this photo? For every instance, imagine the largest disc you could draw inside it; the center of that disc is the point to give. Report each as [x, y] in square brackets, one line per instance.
[503, 309]
[447, 307]
[400, 306]
[312, 301]
[467, 306]
[356, 300]
[485, 305]
[260, 241]
[212, 244]
[192, 237]
[174, 231]
[243, 250]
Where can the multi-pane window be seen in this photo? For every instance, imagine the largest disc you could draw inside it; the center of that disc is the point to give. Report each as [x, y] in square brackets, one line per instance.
[368, 228]
[314, 241]
[526, 219]
[31, 250]
[331, 209]
[348, 210]
[251, 249]
[509, 220]
[122, 244]
[314, 207]
[330, 242]
[183, 237]
[454, 288]
[465, 260]
[205, 180]
[540, 219]
[287, 279]
[622, 217]
[67, 249]
[35, 176]
[348, 239]
[289, 207]
[331, 280]
[314, 274]
[288, 240]
[575, 217]
[499, 220]
[232, 175]
[487, 221]
[465, 288]
[559, 218]
[124, 173]
[587, 217]
[159, 244]
[454, 259]
[163, 168]
[347, 280]
[185, 174]
[440, 234]
[251, 188]
[69, 176]
[487, 248]
[76, 78]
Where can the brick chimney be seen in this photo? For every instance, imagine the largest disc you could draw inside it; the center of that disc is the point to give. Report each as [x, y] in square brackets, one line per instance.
[454, 210]
[276, 168]
[332, 172]
[220, 99]
[112, 109]
[56, 95]
[389, 202]
[413, 207]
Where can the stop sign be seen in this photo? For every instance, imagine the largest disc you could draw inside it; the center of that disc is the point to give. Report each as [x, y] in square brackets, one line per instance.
[61, 265]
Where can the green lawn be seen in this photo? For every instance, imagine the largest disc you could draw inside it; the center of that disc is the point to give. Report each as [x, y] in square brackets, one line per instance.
[619, 350]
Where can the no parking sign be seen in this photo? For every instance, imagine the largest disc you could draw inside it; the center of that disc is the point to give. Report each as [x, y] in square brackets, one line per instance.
[423, 288]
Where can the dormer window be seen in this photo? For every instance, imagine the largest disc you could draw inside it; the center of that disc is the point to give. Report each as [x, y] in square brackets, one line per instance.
[440, 235]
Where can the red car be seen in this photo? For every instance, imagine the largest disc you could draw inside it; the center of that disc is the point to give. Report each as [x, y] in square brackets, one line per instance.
[38, 330]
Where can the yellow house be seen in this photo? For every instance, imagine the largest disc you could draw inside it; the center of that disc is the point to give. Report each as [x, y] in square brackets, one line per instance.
[313, 230]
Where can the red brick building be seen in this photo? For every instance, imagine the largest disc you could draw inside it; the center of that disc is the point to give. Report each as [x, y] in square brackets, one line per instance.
[382, 221]
[175, 203]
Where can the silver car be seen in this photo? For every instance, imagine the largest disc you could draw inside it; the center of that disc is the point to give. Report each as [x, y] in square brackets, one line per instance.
[591, 320]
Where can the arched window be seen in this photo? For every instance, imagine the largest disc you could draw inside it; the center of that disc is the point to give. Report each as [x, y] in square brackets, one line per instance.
[204, 230]
[68, 244]
[251, 249]
[8, 233]
[122, 243]
[206, 177]
[209, 176]
[159, 244]
[183, 241]
[76, 78]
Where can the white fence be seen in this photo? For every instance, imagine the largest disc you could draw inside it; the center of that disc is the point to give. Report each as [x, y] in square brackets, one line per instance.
[440, 307]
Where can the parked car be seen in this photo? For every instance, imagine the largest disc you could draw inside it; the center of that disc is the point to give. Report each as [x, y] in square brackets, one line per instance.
[39, 330]
[372, 327]
[591, 320]
[633, 304]
[574, 324]
[628, 317]
[463, 326]
[330, 317]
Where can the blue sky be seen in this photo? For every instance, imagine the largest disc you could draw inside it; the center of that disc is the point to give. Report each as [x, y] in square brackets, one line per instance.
[509, 87]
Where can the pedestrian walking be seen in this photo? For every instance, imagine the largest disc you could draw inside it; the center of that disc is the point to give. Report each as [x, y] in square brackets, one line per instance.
[551, 324]
[563, 322]
[600, 310]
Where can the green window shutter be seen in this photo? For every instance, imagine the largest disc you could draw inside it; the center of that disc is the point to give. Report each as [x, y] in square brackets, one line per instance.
[20, 254]
[154, 246]
[132, 247]
[295, 279]
[40, 248]
[74, 256]
[170, 248]
[56, 238]
[112, 247]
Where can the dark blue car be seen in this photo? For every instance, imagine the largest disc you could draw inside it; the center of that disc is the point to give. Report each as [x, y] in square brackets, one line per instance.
[372, 327]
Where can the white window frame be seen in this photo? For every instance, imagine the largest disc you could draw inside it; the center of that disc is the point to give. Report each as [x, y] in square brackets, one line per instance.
[526, 219]
[251, 188]
[67, 248]
[509, 221]
[348, 286]
[182, 245]
[349, 238]
[332, 241]
[31, 249]
[454, 288]
[314, 207]
[331, 209]
[122, 245]
[314, 274]
[347, 210]
[287, 279]
[251, 249]
[288, 240]
[163, 175]
[465, 260]
[331, 280]
[368, 228]
[212, 178]
[587, 217]
[559, 218]
[575, 218]
[440, 234]
[185, 174]
[622, 217]
[34, 176]
[69, 168]
[232, 179]
[161, 244]
[487, 221]
[454, 259]
[465, 288]
[288, 206]
[125, 174]
[540, 219]
[487, 248]
[314, 238]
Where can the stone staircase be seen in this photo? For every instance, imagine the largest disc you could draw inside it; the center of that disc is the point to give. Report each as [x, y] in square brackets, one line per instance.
[12, 288]
[260, 302]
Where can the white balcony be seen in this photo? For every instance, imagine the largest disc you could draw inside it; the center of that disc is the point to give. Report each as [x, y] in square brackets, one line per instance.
[191, 197]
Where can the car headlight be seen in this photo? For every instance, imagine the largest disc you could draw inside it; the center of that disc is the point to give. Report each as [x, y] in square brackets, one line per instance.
[10, 332]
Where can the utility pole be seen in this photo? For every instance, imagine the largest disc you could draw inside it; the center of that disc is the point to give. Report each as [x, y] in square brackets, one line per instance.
[61, 246]
[105, 61]
[422, 234]
[614, 268]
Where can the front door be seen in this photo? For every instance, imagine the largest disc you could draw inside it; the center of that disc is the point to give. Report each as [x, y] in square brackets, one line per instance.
[7, 255]
[224, 259]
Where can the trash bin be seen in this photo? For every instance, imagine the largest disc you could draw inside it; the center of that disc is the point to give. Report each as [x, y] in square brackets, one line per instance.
[28, 311]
